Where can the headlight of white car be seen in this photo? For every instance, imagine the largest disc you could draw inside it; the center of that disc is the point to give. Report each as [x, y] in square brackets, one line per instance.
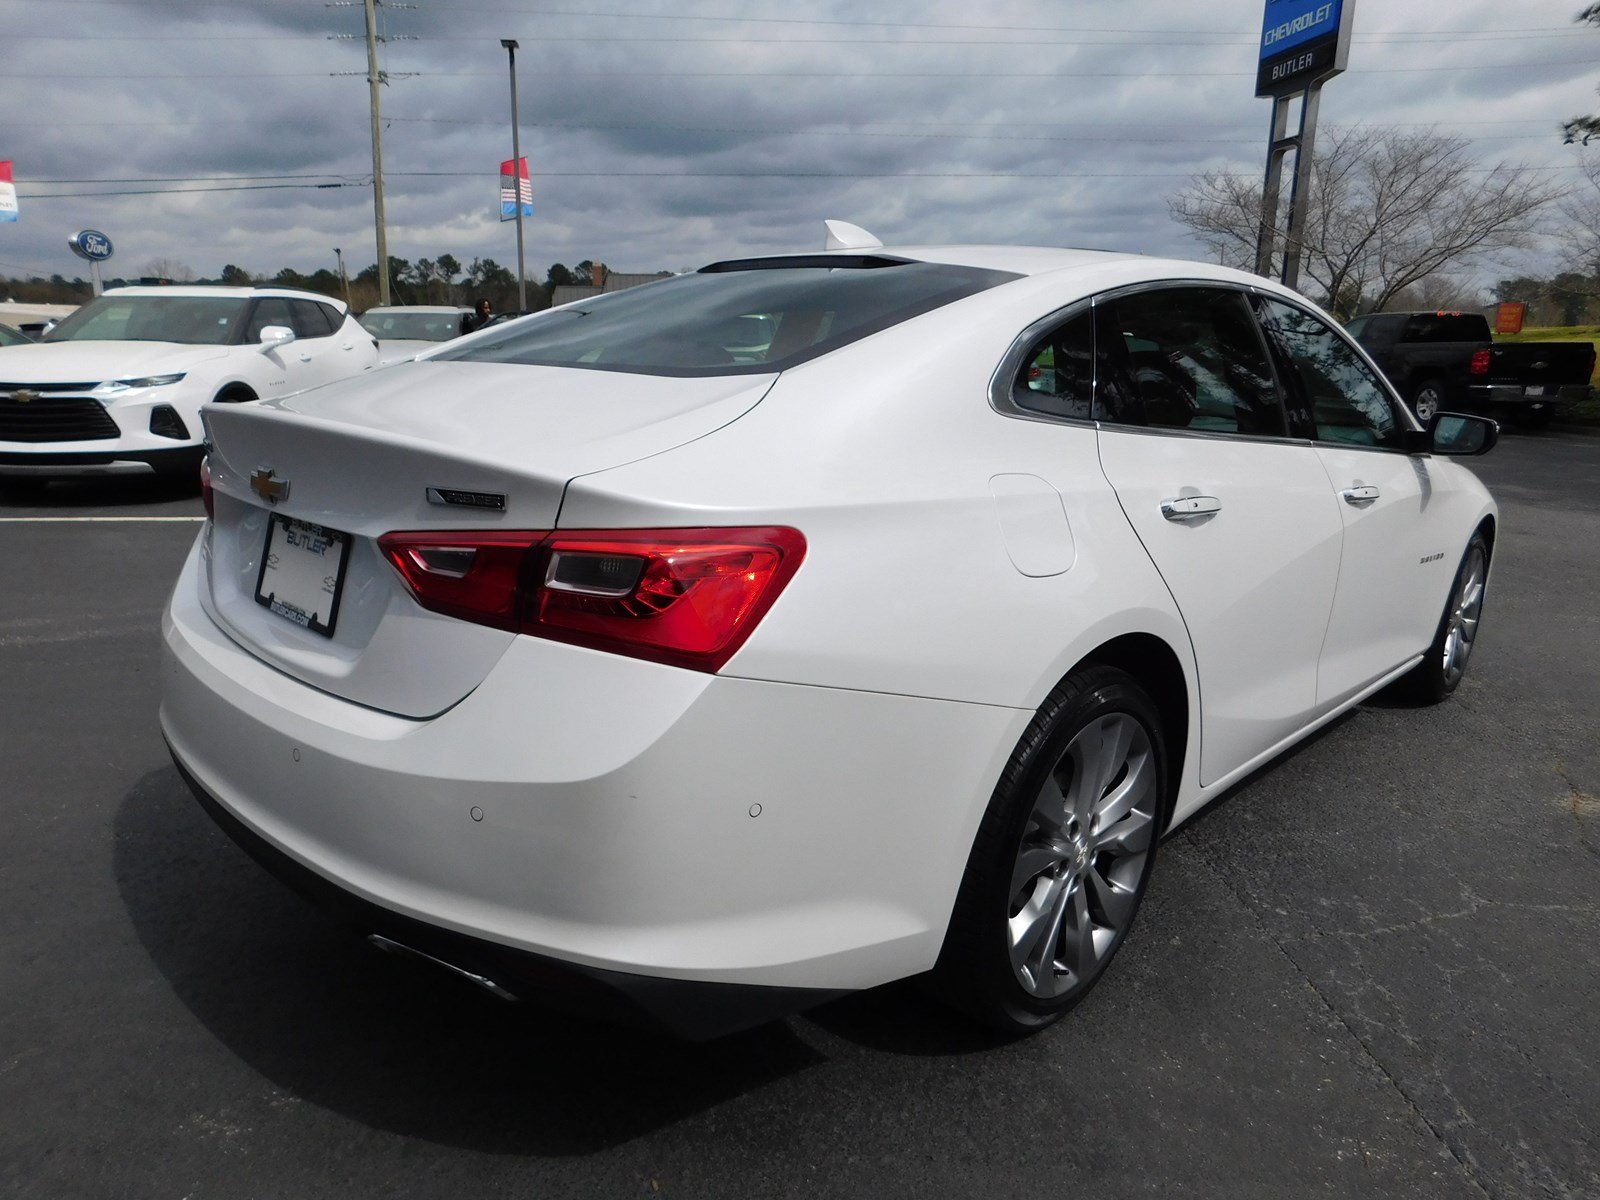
[117, 386]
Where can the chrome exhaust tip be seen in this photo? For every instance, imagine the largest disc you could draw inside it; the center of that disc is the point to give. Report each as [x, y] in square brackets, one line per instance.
[390, 946]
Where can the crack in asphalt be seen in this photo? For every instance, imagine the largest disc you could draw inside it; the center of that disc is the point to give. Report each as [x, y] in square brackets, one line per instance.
[1475, 905]
[1459, 1153]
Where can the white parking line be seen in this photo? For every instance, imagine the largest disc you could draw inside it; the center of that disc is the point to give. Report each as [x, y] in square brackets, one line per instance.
[93, 520]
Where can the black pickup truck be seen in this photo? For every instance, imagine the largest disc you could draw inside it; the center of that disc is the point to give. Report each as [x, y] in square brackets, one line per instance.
[1443, 361]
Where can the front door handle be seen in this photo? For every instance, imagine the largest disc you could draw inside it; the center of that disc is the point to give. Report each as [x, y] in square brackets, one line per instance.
[1364, 494]
[1190, 508]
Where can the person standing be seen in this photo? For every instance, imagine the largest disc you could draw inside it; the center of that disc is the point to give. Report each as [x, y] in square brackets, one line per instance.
[473, 321]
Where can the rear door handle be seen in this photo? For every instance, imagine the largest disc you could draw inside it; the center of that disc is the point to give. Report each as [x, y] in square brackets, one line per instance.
[1190, 508]
[1364, 494]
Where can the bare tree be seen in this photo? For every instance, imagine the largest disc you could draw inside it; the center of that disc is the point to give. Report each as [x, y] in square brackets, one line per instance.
[169, 268]
[1581, 211]
[1388, 210]
[1583, 129]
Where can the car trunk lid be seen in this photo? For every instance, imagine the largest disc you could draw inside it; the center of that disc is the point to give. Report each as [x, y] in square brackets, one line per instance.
[495, 443]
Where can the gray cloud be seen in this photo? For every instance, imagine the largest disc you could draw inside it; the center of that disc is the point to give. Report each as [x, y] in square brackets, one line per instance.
[671, 151]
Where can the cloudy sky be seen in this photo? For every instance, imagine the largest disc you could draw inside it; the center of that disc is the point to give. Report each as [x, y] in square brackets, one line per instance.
[666, 134]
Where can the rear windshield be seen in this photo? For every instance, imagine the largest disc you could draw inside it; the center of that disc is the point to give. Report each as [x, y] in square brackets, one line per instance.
[1447, 327]
[733, 318]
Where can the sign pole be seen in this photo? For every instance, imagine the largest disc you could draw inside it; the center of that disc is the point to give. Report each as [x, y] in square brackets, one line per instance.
[1304, 43]
[1299, 195]
[1277, 147]
[94, 276]
[516, 175]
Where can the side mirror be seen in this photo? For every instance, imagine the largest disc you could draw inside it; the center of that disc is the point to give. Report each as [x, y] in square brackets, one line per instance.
[274, 336]
[1460, 435]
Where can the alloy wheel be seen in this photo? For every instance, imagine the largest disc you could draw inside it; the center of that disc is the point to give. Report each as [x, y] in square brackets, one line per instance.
[1465, 611]
[1080, 865]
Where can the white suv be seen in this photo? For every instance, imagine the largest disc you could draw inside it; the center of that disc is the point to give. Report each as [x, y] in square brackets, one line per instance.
[117, 386]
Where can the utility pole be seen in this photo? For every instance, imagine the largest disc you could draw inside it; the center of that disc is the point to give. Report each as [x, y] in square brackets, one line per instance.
[374, 81]
[516, 175]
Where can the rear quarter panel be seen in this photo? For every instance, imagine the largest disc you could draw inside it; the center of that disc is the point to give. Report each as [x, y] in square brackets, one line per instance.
[884, 455]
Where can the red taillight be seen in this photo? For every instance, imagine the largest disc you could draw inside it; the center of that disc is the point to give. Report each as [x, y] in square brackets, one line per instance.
[206, 496]
[1480, 362]
[688, 597]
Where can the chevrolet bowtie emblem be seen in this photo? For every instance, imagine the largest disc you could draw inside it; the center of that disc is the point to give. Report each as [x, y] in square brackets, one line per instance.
[24, 397]
[269, 489]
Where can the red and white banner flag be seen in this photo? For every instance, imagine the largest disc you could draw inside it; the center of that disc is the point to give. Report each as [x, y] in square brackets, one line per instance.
[509, 192]
[8, 192]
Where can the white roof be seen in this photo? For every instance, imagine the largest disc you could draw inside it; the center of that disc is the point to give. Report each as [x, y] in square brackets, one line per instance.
[242, 293]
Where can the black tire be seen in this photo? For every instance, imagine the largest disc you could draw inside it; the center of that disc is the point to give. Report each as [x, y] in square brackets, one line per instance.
[1004, 886]
[234, 395]
[1428, 399]
[1440, 672]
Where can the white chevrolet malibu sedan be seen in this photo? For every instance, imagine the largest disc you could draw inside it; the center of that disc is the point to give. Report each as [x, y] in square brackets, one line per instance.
[614, 659]
[116, 387]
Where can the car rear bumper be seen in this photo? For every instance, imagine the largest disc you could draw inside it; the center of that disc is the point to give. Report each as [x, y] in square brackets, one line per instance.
[674, 827]
[54, 464]
[1493, 396]
[680, 1008]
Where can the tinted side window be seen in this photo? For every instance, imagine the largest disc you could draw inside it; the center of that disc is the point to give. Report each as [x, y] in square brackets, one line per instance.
[333, 316]
[1346, 401]
[271, 310]
[1187, 358]
[1447, 327]
[1057, 377]
[308, 319]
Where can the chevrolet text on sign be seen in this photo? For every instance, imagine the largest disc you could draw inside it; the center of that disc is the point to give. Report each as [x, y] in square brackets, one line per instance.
[1302, 41]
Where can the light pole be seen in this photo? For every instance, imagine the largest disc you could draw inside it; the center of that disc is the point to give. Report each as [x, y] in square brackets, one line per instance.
[516, 175]
[344, 280]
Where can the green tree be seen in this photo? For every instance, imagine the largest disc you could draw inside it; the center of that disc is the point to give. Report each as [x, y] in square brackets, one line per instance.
[1582, 129]
[233, 276]
[400, 280]
[447, 269]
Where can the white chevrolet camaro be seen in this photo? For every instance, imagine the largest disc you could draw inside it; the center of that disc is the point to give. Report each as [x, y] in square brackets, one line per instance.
[807, 622]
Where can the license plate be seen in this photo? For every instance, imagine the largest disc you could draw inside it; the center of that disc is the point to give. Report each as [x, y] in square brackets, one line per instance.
[302, 573]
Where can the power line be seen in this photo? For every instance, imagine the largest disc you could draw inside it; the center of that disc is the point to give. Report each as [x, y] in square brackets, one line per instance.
[1123, 37]
[534, 11]
[1065, 75]
[248, 187]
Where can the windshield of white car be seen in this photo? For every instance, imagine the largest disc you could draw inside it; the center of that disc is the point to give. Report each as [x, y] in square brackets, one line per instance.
[412, 327]
[742, 318]
[190, 320]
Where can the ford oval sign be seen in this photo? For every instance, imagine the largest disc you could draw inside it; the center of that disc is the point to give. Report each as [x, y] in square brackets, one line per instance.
[90, 244]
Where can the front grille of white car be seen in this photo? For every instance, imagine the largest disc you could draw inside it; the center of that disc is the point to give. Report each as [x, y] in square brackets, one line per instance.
[40, 413]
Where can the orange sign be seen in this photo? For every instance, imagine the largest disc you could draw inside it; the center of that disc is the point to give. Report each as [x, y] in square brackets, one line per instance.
[1508, 318]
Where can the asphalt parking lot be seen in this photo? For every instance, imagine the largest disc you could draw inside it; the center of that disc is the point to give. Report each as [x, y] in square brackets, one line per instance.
[1370, 971]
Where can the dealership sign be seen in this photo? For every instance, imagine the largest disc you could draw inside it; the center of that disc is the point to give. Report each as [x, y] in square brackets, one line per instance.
[90, 244]
[1302, 42]
[514, 186]
[8, 193]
